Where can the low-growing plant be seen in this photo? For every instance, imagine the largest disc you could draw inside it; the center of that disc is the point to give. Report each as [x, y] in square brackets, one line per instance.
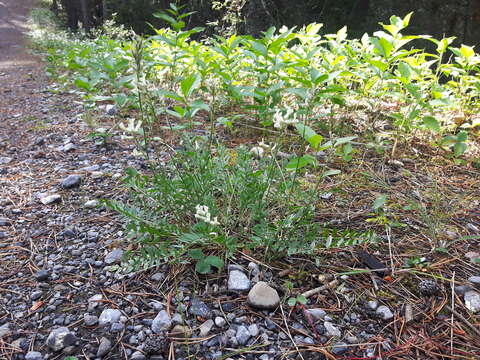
[223, 199]
[297, 300]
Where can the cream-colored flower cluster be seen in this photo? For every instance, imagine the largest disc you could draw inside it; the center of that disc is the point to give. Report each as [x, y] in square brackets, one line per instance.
[203, 213]
[281, 121]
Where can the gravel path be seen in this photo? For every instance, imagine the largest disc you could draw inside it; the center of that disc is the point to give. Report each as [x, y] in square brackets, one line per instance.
[60, 297]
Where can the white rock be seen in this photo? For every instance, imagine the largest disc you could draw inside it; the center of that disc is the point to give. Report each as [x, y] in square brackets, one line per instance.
[33, 355]
[5, 160]
[331, 329]
[206, 327]
[384, 312]
[60, 338]
[90, 204]
[5, 330]
[474, 279]
[93, 301]
[104, 347]
[108, 317]
[253, 330]
[220, 321]
[372, 304]
[238, 281]
[472, 301]
[242, 335]
[50, 199]
[316, 314]
[96, 174]
[113, 256]
[69, 147]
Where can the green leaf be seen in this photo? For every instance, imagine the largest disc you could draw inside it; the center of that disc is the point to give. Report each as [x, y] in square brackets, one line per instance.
[292, 302]
[414, 91]
[302, 93]
[459, 148]
[309, 135]
[344, 140]
[302, 299]
[431, 123]
[301, 162]
[83, 83]
[467, 51]
[200, 105]
[196, 254]
[462, 136]
[380, 65]
[305, 131]
[214, 261]
[404, 70]
[383, 46]
[442, 250]
[225, 122]
[189, 84]
[259, 48]
[331, 173]
[315, 141]
[342, 34]
[165, 17]
[379, 202]
[202, 267]
[190, 238]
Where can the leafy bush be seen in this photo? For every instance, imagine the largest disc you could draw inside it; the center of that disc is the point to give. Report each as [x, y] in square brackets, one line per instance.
[313, 75]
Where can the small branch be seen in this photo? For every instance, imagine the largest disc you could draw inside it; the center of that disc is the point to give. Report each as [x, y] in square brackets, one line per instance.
[309, 293]
[465, 321]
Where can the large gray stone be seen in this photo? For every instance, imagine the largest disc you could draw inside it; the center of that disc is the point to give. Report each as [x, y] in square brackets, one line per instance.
[71, 181]
[262, 296]
[60, 338]
[104, 347]
[108, 317]
[114, 256]
[162, 322]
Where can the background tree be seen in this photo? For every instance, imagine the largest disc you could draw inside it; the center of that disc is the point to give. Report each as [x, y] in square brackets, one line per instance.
[460, 18]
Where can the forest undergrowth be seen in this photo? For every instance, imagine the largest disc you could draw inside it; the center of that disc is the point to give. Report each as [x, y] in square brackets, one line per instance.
[295, 143]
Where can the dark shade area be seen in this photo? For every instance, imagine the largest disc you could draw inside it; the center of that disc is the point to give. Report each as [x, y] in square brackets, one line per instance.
[460, 18]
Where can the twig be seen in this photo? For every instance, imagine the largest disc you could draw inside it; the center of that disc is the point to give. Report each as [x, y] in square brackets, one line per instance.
[309, 293]
[290, 334]
[452, 286]
[465, 321]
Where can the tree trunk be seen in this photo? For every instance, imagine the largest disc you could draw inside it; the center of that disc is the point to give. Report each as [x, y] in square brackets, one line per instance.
[86, 15]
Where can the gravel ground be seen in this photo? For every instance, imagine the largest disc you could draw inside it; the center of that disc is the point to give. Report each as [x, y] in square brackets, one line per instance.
[59, 296]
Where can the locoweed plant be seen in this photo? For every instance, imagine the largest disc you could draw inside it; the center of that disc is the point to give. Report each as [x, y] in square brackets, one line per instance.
[221, 200]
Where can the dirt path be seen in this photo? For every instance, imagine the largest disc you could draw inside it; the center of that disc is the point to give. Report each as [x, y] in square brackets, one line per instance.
[13, 24]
